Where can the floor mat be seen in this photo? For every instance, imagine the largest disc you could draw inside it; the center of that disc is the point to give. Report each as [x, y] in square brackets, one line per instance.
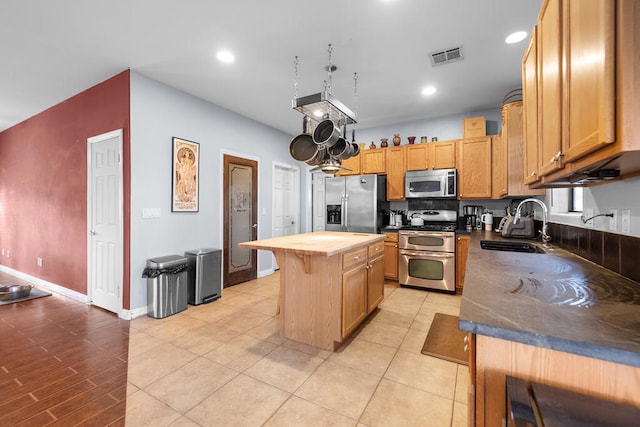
[35, 293]
[445, 340]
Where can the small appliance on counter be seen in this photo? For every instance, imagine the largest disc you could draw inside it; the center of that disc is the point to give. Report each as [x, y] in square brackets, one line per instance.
[524, 228]
[472, 214]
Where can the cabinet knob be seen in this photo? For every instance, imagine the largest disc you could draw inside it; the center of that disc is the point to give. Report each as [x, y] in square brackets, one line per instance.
[355, 258]
[466, 348]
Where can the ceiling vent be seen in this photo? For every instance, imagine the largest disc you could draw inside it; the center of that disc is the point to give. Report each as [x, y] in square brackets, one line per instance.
[445, 56]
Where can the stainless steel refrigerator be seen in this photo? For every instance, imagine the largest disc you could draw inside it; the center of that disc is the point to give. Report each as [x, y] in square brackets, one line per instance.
[354, 203]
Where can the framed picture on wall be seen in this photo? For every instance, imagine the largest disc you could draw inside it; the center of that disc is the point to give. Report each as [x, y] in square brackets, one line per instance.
[186, 157]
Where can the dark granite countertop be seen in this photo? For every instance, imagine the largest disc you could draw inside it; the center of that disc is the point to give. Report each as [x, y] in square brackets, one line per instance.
[555, 300]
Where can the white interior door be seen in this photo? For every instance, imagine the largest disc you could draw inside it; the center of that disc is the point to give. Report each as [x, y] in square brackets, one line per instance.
[286, 201]
[318, 204]
[104, 221]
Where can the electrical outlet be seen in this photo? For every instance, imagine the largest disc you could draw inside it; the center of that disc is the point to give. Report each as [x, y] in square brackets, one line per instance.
[626, 221]
[39, 261]
[588, 213]
[613, 221]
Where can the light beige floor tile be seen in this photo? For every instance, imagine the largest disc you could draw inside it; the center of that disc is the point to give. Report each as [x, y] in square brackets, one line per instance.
[227, 292]
[284, 368]
[268, 306]
[422, 321]
[143, 410]
[268, 290]
[364, 356]
[430, 309]
[462, 384]
[214, 311]
[244, 320]
[392, 317]
[423, 372]
[143, 322]
[141, 342]
[148, 367]
[399, 405]
[309, 349]
[187, 386]
[241, 402]
[267, 331]
[243, 300]
[460, 415]
[175, 326]
[339, 388]
[241, 352]
[444, 299]
[413, 341]
[131, 388]
[184, 422]
[298, 412]
[382, 333]
[199, 341]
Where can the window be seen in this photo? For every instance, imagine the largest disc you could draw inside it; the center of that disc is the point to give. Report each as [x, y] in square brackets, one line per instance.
[575, 199]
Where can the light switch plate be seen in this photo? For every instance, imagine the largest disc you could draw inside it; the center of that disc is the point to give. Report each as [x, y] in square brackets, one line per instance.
[150, 213]
[613, 221]
[626, 221]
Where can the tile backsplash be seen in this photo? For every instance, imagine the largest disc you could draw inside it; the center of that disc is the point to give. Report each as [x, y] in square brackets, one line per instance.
[616, 252]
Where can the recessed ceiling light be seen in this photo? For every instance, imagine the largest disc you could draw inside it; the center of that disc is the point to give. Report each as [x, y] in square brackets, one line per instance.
[516, 37]
[429, 90]
[225, 56]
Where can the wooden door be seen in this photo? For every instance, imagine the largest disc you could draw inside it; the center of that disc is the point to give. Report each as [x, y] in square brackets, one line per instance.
[442, 155]
[550, 87]
[499, 165]
[474, 168]
[375, 283]
[589, 43]
[396, 169]
[530, 110]
[417, 157]
[240, 219]
[374, 161]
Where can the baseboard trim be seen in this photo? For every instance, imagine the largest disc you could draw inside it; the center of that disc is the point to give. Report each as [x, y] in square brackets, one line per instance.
[77, 296]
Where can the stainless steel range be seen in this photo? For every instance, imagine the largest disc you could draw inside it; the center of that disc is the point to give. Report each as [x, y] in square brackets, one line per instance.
[427, 253]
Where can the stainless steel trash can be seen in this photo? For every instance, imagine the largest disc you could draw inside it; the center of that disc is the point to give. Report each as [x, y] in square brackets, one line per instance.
[204, 275]
[166, 285]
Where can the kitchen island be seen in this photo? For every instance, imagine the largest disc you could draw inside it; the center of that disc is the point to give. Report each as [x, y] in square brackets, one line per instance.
[329, 283]
[553, 318]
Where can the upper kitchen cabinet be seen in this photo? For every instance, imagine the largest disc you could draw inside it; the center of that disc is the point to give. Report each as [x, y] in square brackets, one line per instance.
[508, 152]
[550, 88]
[432, 155]
[592, 46]
[353, 163]
[374, 161]
[530, 109]
[396, 168]
[474, 168]
[589, 76]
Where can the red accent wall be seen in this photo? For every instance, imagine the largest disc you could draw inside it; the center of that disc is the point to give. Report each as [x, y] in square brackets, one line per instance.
[43, 184]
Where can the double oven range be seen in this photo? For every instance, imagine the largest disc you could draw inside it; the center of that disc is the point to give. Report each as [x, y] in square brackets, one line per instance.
[427, 253]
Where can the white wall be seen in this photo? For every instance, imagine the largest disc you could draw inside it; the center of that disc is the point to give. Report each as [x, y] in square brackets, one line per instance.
[158, 113]
[616, 195]
[444, 128]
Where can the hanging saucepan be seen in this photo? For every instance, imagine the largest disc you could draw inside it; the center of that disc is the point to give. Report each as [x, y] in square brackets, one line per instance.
[302, 148]
[321, 156]
[341, 149]
[355, 148]
[326, 134]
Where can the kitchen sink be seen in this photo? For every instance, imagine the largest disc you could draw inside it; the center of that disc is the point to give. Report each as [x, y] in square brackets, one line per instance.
[511, 246]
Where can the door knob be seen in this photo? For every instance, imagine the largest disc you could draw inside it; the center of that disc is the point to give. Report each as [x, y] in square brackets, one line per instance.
[254, 226]
[92, 232]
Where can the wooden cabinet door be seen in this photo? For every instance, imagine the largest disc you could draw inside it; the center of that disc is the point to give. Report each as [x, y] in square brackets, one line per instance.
[442, 155]
[474, 168]
[396, 169]
[550, 87]
[462, 253]
[417, 156]
[352, 163]
[375, 283]
[374, 161]
[499, 166]
[589, 37]
[354, 298]
[530, 110]
[391, 260]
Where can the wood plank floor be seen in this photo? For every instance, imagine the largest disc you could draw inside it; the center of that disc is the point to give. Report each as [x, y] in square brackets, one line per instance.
[62, 363]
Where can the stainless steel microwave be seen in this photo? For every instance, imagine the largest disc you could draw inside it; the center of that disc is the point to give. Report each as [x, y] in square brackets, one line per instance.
[439, 183]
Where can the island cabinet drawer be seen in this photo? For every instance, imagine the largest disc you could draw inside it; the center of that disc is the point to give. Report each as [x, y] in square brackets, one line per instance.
[391, 237]
[353, 258]
[376, 249]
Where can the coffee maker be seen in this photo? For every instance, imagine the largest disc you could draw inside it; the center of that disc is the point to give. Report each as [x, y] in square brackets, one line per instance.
[472, 217]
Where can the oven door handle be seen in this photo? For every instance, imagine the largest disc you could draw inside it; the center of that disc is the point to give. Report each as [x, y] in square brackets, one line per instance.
[427, 254]
[428, 234]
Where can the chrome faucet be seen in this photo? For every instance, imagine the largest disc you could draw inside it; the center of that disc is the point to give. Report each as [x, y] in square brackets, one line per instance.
[545, 217]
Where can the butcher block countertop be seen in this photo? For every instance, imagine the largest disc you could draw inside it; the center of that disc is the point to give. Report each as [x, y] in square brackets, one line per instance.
[555, 300]
[323, 243]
